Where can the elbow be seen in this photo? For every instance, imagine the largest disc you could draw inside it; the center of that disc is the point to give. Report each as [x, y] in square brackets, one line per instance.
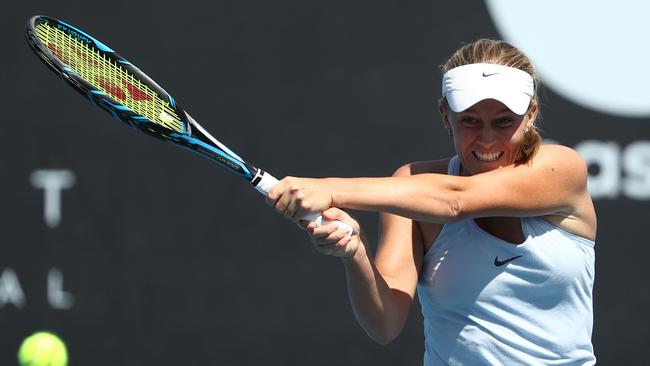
[446, 205]
[448, 210]
[382, 341]
[383, 338]
[454, 212]
[385, 332]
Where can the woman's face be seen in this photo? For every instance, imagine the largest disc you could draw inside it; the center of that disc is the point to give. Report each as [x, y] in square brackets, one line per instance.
[487, 135]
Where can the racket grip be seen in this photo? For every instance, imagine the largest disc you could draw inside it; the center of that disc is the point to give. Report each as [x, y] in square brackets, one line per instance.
[320, 221]
[263, 182]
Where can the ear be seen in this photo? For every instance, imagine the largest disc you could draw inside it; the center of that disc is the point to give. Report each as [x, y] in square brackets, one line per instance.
[531, 114]
[445, 115]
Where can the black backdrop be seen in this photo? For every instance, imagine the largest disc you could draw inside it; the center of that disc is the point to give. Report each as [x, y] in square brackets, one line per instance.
[159, 257]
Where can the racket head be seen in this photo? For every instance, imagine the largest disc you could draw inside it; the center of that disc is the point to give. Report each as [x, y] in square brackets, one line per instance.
[104, 77]
[114, 84]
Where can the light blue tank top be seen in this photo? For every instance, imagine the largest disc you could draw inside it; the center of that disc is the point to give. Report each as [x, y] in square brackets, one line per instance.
[489, 302]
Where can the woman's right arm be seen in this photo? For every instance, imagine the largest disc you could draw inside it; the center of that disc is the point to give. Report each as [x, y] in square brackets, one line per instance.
[381, 290]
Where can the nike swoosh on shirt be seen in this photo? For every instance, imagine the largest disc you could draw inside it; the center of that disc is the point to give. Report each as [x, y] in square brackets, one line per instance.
[499, 263]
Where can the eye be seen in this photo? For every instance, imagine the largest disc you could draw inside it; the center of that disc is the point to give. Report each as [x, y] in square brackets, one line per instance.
[469, 121]
[504, 122]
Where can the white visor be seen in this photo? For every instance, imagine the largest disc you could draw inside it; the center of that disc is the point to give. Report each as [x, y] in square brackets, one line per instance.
[467, 85]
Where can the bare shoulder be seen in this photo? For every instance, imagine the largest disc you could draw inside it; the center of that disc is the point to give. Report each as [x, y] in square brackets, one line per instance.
[563, 161]
[582, 220]
[559, 155]
[422, 167]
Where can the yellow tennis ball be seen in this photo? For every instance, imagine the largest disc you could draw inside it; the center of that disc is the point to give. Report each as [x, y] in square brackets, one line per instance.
[43, 349]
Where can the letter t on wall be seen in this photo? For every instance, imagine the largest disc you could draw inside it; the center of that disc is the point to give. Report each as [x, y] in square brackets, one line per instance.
[52, 181]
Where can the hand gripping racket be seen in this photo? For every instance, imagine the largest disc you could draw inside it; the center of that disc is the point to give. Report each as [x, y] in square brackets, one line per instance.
[117, 86]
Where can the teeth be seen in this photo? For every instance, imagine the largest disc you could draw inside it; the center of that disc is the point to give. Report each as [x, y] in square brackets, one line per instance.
[487, 156]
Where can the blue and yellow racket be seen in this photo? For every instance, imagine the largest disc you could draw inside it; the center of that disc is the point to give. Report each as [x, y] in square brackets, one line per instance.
[117, 86]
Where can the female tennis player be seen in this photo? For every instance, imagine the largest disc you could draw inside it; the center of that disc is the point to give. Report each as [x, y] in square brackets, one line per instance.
[498, 240]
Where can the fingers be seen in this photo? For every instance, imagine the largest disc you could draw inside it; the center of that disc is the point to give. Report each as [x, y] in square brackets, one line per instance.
[306, 225]
[288, 198]
[346, 222]
[334, 213]
[324, 231]
[330, 240]
[281, 199]
[335, 244]
[296, 198]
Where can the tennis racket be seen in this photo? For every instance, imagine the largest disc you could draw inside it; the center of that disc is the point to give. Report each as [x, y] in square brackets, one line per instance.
[118, 87]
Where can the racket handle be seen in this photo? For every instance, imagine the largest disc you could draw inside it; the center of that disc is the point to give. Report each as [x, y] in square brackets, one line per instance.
[266, 181]
[320, 221]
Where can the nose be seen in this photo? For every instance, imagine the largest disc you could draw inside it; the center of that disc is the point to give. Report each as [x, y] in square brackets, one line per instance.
[486, 137]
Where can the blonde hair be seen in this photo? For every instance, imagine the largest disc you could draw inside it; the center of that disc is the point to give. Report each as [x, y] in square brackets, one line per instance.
[503, 53]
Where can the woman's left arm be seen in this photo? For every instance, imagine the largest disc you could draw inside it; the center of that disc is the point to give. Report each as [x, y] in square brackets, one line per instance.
[554, 182]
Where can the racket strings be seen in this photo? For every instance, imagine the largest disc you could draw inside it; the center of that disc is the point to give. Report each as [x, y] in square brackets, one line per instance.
[107, 76]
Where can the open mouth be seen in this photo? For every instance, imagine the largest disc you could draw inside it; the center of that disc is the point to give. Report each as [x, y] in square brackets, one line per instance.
[492, 156]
